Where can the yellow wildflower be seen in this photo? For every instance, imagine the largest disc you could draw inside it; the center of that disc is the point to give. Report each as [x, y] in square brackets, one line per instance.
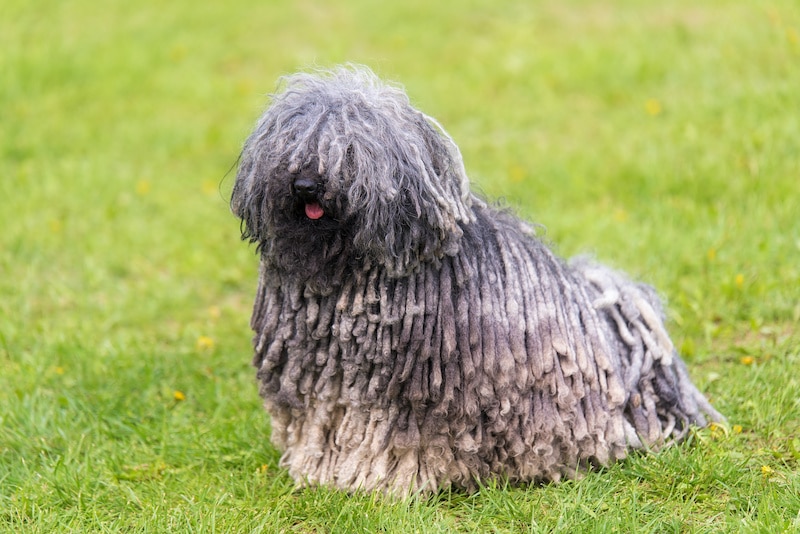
[205, 343]
[739, 280]
[747, 360]
[718, 431]
[209, 188]
[653, 107]
[179, 396]
[142, 187]
[516, 173]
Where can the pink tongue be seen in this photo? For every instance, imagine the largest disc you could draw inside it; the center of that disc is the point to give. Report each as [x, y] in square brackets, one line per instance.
[314, 211]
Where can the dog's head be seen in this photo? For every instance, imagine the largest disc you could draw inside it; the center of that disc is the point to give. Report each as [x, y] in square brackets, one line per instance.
[342, 172]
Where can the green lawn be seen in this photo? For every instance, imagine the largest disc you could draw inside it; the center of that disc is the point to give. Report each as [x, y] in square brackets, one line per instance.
[662, 137]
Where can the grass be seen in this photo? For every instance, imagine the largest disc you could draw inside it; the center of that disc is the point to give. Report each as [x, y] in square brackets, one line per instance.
[663, 138]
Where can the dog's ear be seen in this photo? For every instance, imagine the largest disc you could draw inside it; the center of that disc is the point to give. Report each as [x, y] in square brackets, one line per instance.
[246, 201]
[411, 199]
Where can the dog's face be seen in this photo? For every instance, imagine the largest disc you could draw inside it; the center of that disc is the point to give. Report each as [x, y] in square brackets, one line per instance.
[305, 229]
[341, 173]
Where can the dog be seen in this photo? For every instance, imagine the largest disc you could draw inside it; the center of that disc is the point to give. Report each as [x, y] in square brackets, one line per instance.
[411, 337]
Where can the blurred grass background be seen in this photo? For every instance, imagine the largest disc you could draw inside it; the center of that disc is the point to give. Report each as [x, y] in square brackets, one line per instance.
[660, 137]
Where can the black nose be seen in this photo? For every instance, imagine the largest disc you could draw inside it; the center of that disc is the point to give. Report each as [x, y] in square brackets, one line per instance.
[305, 187]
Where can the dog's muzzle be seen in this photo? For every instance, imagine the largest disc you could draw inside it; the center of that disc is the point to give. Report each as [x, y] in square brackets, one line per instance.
[306, 190]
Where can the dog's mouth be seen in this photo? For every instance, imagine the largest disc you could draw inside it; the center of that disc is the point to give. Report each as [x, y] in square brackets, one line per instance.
[313, 210]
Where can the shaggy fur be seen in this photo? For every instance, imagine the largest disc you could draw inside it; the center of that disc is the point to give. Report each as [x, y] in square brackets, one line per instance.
[409, 336]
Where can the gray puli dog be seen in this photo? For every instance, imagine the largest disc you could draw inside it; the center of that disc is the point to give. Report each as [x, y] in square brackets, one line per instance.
[410, 337]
